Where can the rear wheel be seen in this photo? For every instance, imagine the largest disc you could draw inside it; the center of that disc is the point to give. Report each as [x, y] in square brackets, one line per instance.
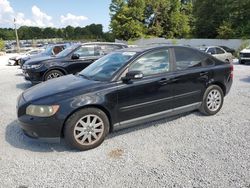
[53, 74]
[86, 128]
[212, 100]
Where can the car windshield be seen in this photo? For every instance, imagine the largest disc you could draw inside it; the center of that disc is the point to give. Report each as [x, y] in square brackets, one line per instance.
[67, 51]
[105, 68]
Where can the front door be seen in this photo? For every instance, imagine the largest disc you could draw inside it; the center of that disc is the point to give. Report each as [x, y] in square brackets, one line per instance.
[151, 94]
[87, 55]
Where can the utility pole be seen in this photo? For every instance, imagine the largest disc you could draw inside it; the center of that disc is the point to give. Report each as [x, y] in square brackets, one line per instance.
[17, 40]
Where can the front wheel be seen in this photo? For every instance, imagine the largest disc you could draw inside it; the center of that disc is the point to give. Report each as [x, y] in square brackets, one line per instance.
[53, 74]
[212, 100]
[86, 129]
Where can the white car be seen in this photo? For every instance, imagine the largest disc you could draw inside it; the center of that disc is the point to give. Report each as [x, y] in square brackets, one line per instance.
[218, 53]
[245, 56]
[16, 59]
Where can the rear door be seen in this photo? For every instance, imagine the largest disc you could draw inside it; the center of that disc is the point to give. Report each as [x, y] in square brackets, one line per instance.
[192, 71]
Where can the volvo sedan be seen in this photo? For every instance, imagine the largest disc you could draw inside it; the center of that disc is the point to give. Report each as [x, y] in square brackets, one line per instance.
[123, 89]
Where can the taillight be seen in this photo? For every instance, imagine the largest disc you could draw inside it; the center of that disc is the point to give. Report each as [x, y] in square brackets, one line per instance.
[231, 71]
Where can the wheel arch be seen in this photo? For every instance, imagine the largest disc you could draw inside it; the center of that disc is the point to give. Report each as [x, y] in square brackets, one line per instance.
[100, 107]
[55, 68]
[221, 85]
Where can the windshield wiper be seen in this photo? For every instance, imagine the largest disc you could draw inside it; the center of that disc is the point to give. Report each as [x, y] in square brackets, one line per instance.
[84, 76]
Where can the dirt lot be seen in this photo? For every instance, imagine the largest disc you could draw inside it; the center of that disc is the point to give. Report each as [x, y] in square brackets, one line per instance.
[190, 150]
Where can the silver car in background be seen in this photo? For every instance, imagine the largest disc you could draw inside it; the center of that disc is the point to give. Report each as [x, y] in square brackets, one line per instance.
[218, 53]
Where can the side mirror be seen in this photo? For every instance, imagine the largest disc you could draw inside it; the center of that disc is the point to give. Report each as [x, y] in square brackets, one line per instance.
[210, 53]
[75, 56]
[133, 75]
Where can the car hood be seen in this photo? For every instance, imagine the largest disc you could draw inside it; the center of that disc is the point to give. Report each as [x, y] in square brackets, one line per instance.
[246, 50]
[37, 60]
[59, 87]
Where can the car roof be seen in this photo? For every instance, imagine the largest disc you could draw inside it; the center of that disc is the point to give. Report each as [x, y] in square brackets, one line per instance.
[107, 43]
[149, 48]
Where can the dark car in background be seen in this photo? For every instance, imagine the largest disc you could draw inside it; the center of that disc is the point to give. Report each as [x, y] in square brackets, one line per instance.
[227, 49]
[50, 50]
[122, 89]
[70, 61]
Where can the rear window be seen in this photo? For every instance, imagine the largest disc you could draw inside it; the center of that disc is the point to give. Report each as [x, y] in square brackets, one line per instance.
[189, 59]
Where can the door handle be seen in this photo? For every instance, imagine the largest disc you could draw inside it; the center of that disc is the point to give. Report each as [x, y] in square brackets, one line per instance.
[163, 81]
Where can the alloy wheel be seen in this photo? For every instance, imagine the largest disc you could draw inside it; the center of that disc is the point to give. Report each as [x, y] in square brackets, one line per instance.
[53, 75]
[214, 100]
[89, 129]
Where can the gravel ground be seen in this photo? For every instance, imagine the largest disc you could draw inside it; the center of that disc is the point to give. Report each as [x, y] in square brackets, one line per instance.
[190, 150]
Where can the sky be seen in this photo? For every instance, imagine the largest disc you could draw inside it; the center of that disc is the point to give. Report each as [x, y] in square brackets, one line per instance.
[54, 13]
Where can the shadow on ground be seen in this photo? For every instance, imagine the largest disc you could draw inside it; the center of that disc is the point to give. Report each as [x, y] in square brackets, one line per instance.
[15, 136]
[150, 124]
[24, 85]
[246, 79]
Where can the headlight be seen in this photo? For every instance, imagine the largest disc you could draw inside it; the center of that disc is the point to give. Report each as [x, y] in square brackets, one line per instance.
[32, 66]
[42, 110]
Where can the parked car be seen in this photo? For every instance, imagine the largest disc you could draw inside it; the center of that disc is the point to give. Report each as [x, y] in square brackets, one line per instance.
[14, 61]
[50, 50]
[70, 61]
[227, 49]
[218, 53]
[122, 89]
[244, 56]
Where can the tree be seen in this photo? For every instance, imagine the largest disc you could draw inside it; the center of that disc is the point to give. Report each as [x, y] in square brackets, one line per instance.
[127, 18]
[222, 18]
[162, 18]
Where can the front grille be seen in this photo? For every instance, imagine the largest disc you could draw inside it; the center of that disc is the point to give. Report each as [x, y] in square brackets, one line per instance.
[245, 55]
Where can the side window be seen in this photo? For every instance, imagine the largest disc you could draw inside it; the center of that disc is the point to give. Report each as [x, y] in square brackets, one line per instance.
[211, 51]
[152, 63]
[105, 49]
[219, 51]
[187, 58]
[86, 51]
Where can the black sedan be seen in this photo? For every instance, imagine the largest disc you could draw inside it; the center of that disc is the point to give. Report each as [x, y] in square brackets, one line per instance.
[70, 61]
[122, 89]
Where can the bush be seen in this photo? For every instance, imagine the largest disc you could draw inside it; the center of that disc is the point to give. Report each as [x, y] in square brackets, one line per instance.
[2, 45]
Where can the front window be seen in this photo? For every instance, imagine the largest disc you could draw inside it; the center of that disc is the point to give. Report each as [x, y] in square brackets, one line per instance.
[152, 63]
[106, 67]
[85, 51]
[66, 52]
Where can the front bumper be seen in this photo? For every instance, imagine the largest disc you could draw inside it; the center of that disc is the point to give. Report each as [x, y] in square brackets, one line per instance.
[41, 128]
[34, 77]
[244, 59]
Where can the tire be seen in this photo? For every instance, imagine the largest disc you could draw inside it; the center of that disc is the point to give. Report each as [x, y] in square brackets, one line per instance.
[211, 104]
[53, 74]
[81, 135]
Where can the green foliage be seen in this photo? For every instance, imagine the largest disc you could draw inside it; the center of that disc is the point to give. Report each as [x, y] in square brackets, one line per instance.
[225, 31]
[93, 31]
[222, 18]
[131, 19]
[2, 45]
